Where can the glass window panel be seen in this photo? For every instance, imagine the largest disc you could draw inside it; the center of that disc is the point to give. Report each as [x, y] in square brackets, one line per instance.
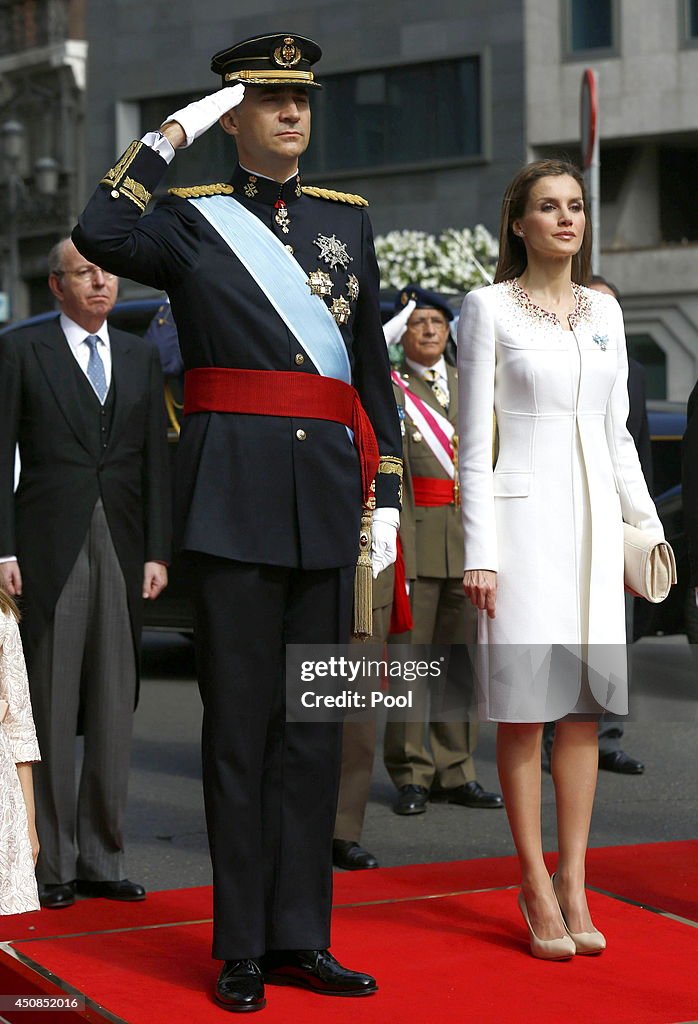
[692, 19]
[645, 349]
[591, 24]
[402, 115]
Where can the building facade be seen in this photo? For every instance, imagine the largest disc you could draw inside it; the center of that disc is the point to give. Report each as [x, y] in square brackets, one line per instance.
[645, 55]
[43, 64]
[422, 109]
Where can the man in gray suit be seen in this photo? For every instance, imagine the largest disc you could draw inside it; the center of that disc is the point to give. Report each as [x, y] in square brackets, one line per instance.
[83, 540]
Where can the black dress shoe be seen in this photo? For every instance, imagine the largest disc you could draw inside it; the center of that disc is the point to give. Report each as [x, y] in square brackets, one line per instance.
[619, 761]
[127, 892]
[55, 896]
[240, 986]
[351, 856]
[411, 800]
[470, 794]
[317, 970]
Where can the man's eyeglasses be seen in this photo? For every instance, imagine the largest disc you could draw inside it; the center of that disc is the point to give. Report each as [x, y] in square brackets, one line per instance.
[85, 274]
[431, 321]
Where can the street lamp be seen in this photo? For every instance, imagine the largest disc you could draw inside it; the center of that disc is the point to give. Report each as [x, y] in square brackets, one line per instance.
[46, 171]
[12, 147]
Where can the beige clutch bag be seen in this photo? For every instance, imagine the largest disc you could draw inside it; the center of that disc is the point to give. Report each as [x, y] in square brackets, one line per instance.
[650, 566]
[3, 709]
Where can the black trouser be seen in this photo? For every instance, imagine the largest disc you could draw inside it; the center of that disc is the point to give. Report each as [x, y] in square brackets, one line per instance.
[270, 788]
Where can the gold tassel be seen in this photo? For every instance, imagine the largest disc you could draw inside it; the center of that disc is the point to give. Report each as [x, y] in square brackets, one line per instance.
[363, 580]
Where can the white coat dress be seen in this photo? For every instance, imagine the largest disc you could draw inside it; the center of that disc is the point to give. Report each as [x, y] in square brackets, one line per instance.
[18, 744]
[548, 518]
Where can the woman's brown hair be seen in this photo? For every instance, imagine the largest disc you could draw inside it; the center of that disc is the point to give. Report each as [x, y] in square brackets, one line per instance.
[512, 252]
[7, 605]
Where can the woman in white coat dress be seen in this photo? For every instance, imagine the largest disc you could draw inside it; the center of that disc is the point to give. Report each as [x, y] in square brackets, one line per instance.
[544, 528]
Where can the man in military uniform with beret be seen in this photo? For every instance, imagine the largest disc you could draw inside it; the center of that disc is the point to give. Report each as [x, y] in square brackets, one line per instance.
[288, 415]
[435, 761]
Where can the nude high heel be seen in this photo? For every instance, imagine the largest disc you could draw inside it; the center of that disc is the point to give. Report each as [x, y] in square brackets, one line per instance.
[584, 942]
[546, 949]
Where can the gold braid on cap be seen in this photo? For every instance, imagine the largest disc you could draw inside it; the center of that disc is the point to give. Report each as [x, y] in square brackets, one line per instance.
[270, 76]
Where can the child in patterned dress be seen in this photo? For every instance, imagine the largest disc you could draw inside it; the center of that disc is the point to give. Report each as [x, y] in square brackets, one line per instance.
[19, 844]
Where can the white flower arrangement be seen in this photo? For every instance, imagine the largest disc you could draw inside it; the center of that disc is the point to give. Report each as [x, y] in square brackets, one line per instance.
[454, 261]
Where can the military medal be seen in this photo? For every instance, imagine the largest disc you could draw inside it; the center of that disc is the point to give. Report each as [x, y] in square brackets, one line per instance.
[250, 188]
[333, 251]
[341, 310]
[353, 287]
[281, 216]
[319, 282]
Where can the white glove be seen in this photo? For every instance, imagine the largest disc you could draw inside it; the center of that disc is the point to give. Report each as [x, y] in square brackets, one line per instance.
[198, 117]
[394, 329]
[386, 522]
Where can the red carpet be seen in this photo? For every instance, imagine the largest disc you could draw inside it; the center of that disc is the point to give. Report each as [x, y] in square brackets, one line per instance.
[457, 955]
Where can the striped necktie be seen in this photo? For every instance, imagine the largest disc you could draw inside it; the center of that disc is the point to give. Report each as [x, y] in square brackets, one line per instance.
[432, 376]
[95, 369]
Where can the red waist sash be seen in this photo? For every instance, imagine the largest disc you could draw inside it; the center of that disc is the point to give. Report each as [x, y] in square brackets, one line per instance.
[431, 492]
[285, 393]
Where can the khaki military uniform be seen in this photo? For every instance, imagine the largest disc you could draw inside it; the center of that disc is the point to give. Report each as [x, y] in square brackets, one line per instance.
[442, 614]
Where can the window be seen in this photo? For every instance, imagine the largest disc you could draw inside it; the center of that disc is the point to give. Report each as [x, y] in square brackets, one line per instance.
[691, 19]
[678, 213]
[417, 114]
[590, 25]
[645, 349]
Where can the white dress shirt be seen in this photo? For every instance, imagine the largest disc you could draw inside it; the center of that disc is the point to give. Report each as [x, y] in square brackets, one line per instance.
[440, 367]
[75, 336]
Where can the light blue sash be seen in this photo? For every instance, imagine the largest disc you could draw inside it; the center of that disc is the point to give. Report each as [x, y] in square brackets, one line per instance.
[282, 280]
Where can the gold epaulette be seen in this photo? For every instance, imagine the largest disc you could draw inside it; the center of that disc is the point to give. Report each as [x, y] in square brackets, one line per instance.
[197, 191]
[337, 197]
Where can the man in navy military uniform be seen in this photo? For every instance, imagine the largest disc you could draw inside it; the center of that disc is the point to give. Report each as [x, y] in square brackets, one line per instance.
[274, 289]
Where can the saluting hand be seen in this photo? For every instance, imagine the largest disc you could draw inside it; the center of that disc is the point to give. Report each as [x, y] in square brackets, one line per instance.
[480, 585]
[181, 128]
[154, 579]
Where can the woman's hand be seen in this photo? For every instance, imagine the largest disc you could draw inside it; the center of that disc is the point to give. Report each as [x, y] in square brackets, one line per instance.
[480, 585]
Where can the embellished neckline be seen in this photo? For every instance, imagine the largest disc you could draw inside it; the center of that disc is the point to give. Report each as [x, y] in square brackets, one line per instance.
[581, 311]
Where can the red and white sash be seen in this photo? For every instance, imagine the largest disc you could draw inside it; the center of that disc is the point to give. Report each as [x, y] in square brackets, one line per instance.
[434, 427]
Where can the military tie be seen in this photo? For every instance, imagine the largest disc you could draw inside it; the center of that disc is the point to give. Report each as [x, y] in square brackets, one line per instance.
[432, 376]
[95, 369]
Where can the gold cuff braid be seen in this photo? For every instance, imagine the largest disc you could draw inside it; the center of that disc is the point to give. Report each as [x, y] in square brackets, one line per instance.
[390, 464]
[117, 179]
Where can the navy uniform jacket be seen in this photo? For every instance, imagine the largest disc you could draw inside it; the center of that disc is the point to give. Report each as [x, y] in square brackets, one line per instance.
[247, 487]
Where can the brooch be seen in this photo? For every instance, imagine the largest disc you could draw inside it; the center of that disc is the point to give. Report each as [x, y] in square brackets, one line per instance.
[602, 341]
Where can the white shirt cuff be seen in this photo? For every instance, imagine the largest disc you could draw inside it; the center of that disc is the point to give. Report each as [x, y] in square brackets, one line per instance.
[157, 142]
[8, 558]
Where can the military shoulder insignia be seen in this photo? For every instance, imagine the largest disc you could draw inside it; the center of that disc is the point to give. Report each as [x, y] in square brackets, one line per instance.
[337, 197]
[199, 191]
